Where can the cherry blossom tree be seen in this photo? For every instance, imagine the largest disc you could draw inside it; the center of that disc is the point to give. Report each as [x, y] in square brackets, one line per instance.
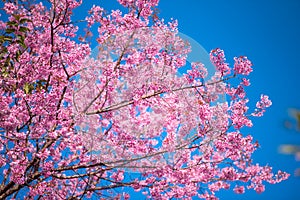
[74, 126]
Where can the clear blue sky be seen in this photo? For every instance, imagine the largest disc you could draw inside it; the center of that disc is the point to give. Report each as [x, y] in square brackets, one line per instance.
[268, 32]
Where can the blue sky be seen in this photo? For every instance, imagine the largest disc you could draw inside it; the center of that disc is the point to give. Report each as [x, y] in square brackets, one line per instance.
[267, 32]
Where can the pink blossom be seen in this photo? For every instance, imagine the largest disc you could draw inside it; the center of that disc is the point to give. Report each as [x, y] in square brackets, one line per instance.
[217, 57]
[242, 65]
[73, 126]
[10, 8]
[239, 189]
[2, 25]
[118, 176]
[261, 105]
[245, 82]
[259, 188]
[264, 102]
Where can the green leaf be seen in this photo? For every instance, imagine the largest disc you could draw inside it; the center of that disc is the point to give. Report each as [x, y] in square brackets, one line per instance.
[18, 53]
[28, 88]
[5, 38]
[4, 71]
[7, 61]
[17, 17]
[21, 37]
[5, 74]
[8, 38]
[20, 42]
[12, 23]
[23, 29]
[9, 30]
[24, 20]
[3, 51]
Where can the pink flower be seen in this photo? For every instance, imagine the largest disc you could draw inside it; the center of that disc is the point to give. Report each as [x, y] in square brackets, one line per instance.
[261, 105]
[126, 196]
[217, 57]
[2, 25]
[245, 82]
[118, 176]
[242, 65]
[10, 8]
[239, 189]
[126, 3]
[264, 102]
[259, 188]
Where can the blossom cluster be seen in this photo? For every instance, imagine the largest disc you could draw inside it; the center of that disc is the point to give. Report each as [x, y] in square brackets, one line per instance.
[74, 126]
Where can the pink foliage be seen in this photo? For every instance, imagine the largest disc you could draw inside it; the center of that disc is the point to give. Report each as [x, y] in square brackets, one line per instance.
[217, 57]
[242, 65]
[72, 126]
